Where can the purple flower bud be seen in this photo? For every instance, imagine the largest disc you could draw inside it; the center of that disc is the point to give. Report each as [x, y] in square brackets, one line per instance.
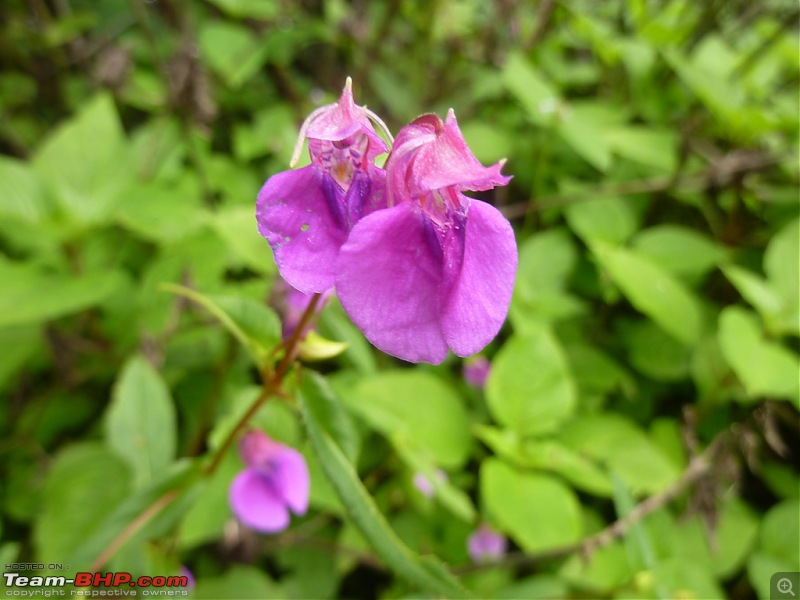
[476, 371]
[424, 485]
[275, 481]
[486, 544]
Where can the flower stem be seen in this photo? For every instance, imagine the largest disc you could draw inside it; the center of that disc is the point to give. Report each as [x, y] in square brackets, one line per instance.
[271, 383]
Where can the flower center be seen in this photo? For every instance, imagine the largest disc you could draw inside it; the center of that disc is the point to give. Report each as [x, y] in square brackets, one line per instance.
[341, 159]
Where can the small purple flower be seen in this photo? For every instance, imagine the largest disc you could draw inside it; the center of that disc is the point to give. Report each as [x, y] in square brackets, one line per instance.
[424, 485]
[306, 214]
[291, 304]
[486, 544]
[476, 371]
[436, 269]
[185, 572]
[275, 481]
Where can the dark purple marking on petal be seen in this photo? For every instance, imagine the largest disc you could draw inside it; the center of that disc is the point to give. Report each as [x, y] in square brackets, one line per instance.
[478, 288]
[334, 198]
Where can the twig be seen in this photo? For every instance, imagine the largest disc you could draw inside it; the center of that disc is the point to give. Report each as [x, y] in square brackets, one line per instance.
[134, 526]
[701, 179]
[698, 467]
[271, 385]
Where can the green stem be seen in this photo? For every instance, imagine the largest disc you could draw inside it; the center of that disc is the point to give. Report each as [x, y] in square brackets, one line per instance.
[271, 384]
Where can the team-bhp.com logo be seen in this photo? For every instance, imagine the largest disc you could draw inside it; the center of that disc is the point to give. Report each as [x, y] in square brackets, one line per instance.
[151, 586]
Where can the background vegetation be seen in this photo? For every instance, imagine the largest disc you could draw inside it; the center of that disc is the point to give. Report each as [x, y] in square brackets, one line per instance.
[638, 436]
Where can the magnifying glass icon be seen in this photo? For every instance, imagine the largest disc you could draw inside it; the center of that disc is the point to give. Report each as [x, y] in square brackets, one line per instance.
[785, 586]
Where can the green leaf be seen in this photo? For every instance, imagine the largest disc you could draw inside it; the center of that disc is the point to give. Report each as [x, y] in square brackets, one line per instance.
[622, 448]
[536, 95]
[140, 424]
[315, 347]
[546, 261]
[249, 9]
[19, 343]
[758, 292]
[23, 194]
[155, 509]
[734, 537]
[782, 266]
[240, 582]
[580, 132]
[205, 520]
[394, 401]
[237, 227]
[572, 466]
[253, 324]
[84, 163]
[451, 497]
[31, 295]
[611, 219]
[765, 368]
[84, 484]
[682, 251]
[428, 574]
[655, 353]
[645, 145]
[653, 291]
[536, 510]
[161, 213]
[232, 51]
[330, 416]
[531, 401]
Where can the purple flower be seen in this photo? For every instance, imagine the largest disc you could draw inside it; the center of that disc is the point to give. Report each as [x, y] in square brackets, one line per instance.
[436, 269]
[486, 544]
[307, 213]
[476, 371]
[291, 304]
[185, 572]
[275, 481]
[424, 485]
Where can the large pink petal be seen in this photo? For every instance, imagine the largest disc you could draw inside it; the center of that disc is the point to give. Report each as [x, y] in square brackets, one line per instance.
[291, 479]
[297, 220]
[388, 283]
[478, 294]
[255, 503]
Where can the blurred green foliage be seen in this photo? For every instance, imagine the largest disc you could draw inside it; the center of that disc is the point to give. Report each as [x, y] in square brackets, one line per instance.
[652, 344]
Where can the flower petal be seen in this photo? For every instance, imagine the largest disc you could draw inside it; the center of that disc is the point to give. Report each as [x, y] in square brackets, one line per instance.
[295, 216]
[345, 119]
[255, 503]
[478, 290]
[440, 161]
[291, 479]
[388, 283]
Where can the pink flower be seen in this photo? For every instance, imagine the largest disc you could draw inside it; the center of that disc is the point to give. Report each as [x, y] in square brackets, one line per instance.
[424, 485]
[436, 269]
[291, 304]
[275, 481]
[486, 544]
[307, 213]
[476, 371]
